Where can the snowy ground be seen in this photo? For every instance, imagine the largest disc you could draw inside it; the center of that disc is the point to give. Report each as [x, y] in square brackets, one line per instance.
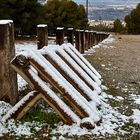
[114, 119]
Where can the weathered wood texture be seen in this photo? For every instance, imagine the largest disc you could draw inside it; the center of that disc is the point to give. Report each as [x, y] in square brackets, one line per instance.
[78, 40]
[56, 68]
[42, 35]
[24, 68]
[86, 39]
[60, 35]
[70, 35]
[8, 79]
[82, 41]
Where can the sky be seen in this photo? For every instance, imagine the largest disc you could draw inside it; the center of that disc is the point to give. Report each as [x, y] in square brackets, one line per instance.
[127, 1]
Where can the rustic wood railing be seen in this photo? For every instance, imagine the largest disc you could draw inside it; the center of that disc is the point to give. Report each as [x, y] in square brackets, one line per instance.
[75, 83]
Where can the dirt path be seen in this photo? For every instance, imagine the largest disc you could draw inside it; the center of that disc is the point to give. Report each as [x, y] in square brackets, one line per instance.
[121, 62]
[119, 65]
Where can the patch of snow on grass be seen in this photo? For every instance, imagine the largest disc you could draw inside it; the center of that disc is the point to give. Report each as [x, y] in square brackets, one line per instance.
[136, 98]
[15, 128]
[136, 116]
[21, 46]
[111, 121]
[137, 101]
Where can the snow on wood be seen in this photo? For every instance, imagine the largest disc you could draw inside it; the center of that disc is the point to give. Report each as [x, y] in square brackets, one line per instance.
[68, 70]
[60, 28]
[77, 97]
[53, 96]
[83, 65]
[42, 25]
[46, 96]
[18, 105]
[85, 61]
[72, 74]
[79, 69]
[6, 21]
[61, 73]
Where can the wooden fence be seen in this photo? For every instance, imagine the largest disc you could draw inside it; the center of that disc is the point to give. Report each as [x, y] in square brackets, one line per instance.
[63, 67]
[83, 39]
[75, 82]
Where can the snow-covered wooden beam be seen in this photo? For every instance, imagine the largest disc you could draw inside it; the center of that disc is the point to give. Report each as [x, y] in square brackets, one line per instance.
[22, 107]
[83, 63]
[76, 83]
[32, 98]
[37, 83]
[53, 80]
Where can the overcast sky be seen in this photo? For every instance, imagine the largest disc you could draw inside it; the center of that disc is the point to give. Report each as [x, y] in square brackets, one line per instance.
[92, 1]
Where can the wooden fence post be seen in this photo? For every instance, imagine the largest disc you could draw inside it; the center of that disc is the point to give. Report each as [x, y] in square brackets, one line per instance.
[92, 38]
[8, 78]
[60, 35]
[86, 39]
[42, 35]
[70, 35]
[82, 41]
[77, 40]
[96, 38]
[89, 40]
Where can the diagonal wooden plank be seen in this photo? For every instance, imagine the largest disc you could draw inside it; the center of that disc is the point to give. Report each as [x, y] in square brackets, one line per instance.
[46, 95]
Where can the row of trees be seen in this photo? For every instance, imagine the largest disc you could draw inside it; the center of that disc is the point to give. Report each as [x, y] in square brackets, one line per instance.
[26, 14]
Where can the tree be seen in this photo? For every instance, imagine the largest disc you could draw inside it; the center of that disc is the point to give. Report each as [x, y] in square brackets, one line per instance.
[26, 14]
[118, 27]
[133, 21]
[65, 13]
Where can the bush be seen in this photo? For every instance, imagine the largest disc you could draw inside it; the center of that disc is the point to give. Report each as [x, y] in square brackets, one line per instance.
[133, 21]
[118, 27]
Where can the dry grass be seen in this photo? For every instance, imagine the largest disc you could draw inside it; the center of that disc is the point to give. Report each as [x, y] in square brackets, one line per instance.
[120, 69]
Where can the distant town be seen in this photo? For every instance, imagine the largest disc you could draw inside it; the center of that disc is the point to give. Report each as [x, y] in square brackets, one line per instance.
[106, 12]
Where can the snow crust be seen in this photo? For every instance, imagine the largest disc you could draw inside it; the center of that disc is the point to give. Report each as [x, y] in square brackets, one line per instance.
[136, 116]
[60, 28]
[111, 120]
[42, 25]
[5, 22]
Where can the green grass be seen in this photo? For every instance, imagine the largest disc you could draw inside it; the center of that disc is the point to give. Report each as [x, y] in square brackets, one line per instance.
[39, 115]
